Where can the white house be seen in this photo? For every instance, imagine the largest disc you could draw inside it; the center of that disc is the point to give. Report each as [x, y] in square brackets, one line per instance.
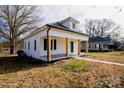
[56, 40]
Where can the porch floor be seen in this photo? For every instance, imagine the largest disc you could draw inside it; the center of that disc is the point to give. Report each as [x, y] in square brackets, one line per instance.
[61, 56]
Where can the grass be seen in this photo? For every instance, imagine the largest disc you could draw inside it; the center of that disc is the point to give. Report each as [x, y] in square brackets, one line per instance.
[77, 66]
[115, 56]
[25, 73]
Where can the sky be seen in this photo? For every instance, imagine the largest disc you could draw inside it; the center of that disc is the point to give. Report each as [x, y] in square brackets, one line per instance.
[59, 12]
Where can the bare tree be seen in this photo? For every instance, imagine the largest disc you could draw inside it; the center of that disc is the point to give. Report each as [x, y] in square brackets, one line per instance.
[102, 27]
[16, 21]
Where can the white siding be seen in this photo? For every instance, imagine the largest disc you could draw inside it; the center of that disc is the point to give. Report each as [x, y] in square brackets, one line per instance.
[57, 34]
[64, 34]
[32, 52]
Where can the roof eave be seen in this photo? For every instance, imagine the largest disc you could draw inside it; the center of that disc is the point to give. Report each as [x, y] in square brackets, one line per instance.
[66, 29]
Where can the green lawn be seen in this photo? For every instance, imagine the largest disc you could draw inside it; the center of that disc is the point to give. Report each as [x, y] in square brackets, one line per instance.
[24, 72]
[115, 56]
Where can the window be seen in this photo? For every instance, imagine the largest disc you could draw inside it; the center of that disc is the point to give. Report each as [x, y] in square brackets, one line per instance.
[54, 44]
[51, 44]
[104, 46]
[25, 45]
[73, 25]
[72, 47]
[35, 45]
[28, 45]
[89, 45]
[83, 45]
[95, 45]
[99, 46]
[45, 44]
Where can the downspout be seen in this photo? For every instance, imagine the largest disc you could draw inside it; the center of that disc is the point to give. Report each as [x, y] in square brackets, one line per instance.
[48, 42]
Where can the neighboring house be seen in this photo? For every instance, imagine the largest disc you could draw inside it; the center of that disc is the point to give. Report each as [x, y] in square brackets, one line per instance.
[99, 44]
[119, 46]
[4, 46]
[55, 41]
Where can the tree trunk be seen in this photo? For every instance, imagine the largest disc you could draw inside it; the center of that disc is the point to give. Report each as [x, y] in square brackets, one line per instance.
[11, 47]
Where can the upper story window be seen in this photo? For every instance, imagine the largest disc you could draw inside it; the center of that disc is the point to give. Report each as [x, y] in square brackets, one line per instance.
[73, 26]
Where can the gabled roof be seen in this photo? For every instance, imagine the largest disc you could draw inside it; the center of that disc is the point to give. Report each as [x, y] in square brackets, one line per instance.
[57, 25]
[69, 18]
[100, 39]
[60, 26]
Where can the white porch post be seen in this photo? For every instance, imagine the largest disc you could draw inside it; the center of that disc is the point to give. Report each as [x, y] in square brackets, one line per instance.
[49, 48]
[79, 47]
[67, 51]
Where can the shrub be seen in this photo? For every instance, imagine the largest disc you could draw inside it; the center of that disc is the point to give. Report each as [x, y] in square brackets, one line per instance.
[102, 83]
[76, 65]
[122, 80]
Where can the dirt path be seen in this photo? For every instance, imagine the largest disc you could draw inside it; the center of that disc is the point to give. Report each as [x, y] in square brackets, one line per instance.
[100, 61]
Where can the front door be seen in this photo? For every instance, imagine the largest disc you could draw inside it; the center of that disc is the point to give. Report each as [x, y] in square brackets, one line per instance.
[72, 46]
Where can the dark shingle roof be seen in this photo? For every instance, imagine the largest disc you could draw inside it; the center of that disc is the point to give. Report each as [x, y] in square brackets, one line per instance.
[100, 39]
[61, 26]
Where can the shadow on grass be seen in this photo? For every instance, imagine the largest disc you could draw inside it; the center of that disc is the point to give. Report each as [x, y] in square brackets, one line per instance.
[14, 64]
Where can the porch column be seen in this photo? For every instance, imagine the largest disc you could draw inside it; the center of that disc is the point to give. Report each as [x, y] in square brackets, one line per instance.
[86, 46]
[49, 48]
[79, 47]
[67, 52]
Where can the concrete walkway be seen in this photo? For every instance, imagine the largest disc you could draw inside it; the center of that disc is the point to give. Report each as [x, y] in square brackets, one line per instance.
[100, 61]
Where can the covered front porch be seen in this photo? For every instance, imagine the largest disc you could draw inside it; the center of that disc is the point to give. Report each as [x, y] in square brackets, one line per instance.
[59, 44]
[59, 48]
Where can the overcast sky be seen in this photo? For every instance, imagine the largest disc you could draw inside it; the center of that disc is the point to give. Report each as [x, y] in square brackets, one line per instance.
[56, 13]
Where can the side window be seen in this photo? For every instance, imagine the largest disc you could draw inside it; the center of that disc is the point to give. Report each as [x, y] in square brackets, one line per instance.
[25, 45]
[45, 44]
[28, 45]
[54, 44]
[35, 45]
